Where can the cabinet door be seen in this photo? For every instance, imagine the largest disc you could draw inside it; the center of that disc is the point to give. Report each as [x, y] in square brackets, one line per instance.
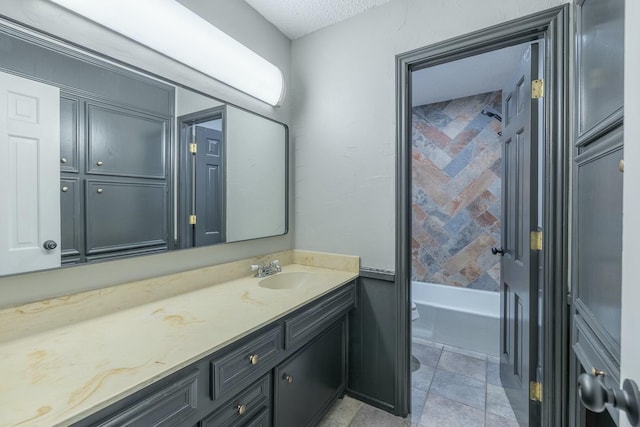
[69, 133]
[125, 215]
[600, 65]
[125, 143]
[70, 220]
[310, 381]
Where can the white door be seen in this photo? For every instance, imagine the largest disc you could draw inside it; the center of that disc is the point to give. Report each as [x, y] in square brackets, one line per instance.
[29, 175]
[630, 338]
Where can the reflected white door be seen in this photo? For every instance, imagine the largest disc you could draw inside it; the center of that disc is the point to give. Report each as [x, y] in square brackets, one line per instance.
[29, 175]
[630, 322]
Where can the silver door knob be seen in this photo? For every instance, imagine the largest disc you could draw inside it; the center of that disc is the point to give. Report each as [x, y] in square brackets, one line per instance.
[288, 378]
[99, 163]
[63, 160]
[49, 245]
[65, 189]
[595, 395]
[99, 190]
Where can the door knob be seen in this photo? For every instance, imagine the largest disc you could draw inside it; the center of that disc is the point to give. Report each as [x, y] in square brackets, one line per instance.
[497, 251]
[288, 378]
[49, 245]
[595, 396]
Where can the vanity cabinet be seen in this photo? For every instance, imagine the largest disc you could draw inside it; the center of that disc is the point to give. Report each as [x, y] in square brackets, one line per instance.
[260, 380]
[597, 202]
[308, 382]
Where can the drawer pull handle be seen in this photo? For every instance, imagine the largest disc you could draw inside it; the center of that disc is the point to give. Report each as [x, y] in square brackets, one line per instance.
[99, 163]
[65, 189]
[621, 166]
[253, 359]
[597, 373]
[242, 409]
[99, 190]
[288, 378]
[63, 160]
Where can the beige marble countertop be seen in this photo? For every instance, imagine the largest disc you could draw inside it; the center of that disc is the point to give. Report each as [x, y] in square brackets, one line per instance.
[64, 359]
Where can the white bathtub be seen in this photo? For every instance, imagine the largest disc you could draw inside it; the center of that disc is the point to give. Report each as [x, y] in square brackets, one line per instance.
[460, 317]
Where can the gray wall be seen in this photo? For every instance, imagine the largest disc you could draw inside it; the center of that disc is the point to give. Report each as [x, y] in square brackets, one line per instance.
[239, 21]
[344, 110]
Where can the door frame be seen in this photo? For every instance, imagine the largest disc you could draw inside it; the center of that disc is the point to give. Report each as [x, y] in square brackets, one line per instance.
[553, 27]
[185, 171]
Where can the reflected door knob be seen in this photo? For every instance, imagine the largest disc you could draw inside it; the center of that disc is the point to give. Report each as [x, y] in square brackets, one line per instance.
[595, 396]
[497, 251]
[49, 245]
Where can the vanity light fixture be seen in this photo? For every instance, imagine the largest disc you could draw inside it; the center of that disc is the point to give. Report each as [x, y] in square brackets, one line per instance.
[175, 31]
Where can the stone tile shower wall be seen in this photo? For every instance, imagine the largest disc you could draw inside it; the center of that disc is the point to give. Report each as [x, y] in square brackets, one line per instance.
[456, 192]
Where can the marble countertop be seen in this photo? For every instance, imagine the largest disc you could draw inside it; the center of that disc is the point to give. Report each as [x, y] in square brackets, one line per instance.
[61, 367]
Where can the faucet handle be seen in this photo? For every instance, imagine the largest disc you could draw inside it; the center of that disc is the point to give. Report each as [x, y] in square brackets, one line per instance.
[276, 265]
[255, 267]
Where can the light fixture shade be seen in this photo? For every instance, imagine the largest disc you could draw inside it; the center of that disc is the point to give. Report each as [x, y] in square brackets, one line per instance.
[173, 30]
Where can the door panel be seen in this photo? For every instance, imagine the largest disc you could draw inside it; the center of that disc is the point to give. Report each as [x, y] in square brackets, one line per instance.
[519, 263]
[29, 174]
[209, 187]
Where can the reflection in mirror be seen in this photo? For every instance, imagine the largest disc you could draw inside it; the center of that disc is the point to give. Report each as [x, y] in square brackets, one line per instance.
[100, 162]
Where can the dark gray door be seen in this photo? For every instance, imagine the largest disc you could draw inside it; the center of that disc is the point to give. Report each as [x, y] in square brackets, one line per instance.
[209, 187]
[519, 263]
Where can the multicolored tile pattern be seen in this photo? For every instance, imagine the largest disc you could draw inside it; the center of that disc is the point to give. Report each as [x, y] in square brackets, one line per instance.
[456, 192]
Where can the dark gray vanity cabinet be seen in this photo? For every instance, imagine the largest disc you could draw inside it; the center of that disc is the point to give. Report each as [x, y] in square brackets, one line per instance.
[262, 380]
[310, 380]
[597, 202]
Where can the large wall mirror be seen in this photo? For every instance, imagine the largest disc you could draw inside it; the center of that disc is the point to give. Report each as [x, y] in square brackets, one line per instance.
[101, 162]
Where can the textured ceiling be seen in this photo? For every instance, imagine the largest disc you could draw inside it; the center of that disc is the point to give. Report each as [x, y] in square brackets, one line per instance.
[295, 18]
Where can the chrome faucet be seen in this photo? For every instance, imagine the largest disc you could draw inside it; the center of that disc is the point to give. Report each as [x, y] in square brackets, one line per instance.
[263, 270]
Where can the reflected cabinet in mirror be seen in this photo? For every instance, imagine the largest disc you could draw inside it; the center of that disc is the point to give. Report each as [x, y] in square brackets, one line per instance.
[102, 162]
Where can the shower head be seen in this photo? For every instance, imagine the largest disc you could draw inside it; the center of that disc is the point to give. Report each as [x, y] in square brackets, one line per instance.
[493, 115]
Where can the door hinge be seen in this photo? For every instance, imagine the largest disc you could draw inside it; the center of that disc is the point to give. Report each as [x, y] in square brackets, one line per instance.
[192, 220]
[193, 148]
[537, 89]
[535, 391]
[536, 240]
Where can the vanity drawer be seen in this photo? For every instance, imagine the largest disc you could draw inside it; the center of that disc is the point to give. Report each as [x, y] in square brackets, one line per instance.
[263, 419]
[167, 407]
[245, 363]
[310, 322]
[248, 408]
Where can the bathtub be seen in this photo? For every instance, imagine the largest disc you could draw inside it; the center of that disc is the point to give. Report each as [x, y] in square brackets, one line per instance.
[460, 317]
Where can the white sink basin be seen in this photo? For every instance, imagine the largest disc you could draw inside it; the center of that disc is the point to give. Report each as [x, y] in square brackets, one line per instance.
[288, 280]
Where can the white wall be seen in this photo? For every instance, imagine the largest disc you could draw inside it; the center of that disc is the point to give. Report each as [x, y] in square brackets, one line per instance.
[344, 117]
[239, 21]
[188, 102]
[255, 162]
[630, 360]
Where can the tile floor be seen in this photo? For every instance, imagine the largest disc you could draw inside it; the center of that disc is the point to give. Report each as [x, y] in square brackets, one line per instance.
[453, 387]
